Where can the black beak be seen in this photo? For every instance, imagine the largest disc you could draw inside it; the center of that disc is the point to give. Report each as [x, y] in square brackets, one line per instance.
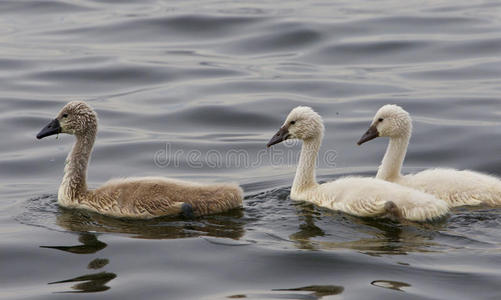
[52, 128]
[370, 134]
[279, 137]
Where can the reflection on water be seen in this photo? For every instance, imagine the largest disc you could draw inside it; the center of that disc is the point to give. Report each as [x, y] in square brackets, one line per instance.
[319, 291]
[225, 225]
[396, 238]
[44, 211]
[313, 292]
[219, 76]
[390, 284]
[88, 283]
[98, 263]
[284, 223]
[385, 235]
[90, 245]
[307, 227]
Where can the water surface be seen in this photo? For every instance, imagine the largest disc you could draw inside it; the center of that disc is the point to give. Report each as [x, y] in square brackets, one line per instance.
[194, 90]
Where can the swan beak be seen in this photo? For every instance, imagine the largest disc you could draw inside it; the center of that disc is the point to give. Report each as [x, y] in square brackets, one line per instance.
[370, 134]
[279, 137]
[52, 128]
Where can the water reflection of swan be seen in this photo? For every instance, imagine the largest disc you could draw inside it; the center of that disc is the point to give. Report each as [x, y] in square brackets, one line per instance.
[43, 211]
[226, 225]
[390, 284]
[385, 236]
[90, 245]
[315, 292]
[307, 229]
[319, 291]
[88, 283]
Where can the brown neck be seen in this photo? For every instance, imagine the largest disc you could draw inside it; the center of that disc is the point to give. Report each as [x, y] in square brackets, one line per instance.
[74, 183]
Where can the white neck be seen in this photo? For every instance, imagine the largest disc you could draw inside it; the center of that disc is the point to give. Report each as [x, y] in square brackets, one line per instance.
[74, 184]
[393, 159]
[305, 174]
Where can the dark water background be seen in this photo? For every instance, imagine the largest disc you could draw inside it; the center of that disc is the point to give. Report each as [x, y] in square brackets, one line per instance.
[215, 78]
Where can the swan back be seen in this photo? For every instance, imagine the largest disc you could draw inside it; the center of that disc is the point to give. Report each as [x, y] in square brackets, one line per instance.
[369, 197]
[149, 197]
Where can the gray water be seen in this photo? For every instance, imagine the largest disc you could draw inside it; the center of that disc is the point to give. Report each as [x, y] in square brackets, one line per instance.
[183, 88]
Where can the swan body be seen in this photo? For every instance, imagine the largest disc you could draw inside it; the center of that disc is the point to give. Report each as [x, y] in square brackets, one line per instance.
[364, 197]
[144, 197]
[456, 187]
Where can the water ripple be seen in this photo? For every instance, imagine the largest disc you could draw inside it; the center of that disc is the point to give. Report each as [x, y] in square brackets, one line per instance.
[171, 77]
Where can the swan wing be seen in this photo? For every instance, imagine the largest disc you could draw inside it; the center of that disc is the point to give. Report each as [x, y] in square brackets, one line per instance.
[149, 197]
[368, 197]
[457, 187]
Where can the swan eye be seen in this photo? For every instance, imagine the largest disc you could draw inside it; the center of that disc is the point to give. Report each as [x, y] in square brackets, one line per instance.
[293, 122]
[65, 115]
[380, 119]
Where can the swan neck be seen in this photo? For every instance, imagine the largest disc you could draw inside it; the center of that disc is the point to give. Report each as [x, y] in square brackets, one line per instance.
[391, 166]
[305, 174]
[74, 184]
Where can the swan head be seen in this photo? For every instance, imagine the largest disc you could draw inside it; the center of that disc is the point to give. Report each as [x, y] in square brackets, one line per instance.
[76, 118]
[302, 123]
[391, 121]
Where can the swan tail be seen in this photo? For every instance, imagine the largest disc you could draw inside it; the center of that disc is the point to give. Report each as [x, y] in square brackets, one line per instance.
[494, 198]
[461, 198]
[217, 199]
[187, 210]
[175, 209]
[392, 210]
[159, 208]
[430, 211]
[490, 197]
